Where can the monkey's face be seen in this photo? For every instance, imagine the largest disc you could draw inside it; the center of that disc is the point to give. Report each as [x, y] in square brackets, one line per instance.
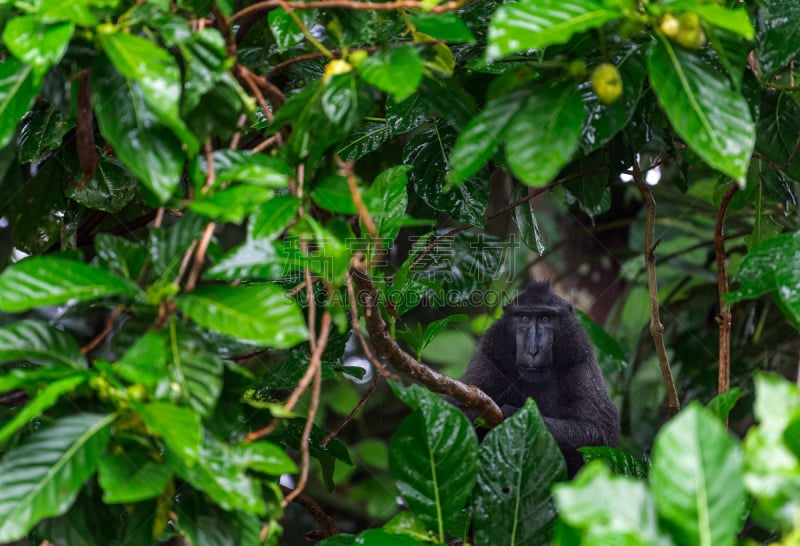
[534, 330]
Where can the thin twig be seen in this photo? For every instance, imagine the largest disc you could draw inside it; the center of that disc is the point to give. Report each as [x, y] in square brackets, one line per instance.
[349, 4]
[346, 170]
[349, 417]
[325, 522]
[379, 367]
[211, 175]
[107, 327]
[469, 396]
[656, 328]
[200, 256]
[724, 317]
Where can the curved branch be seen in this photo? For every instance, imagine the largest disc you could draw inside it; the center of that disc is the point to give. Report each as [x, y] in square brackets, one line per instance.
[724, 317]
[469, 396]
[656, 328]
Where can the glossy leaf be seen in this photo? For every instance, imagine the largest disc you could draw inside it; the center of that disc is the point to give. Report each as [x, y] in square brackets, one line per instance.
[544, 134]
[18, 88]
[144, 144]
[527, 225]
[777, 44]
[722, 404]
[365, 138]
[531, 24]
[333, 194]
[271, 218]
[111, 188]
[619, 461]
[632, 522]
[481, 137]
[519, 462]
[386, 200]
[196, 372]
[131, 476]
[177, 426]
[243, 166]
[41, 130]
[432, 444]
[773, 267]
[443, 26]
[259, 313]
[38, 342]
[35, 42]
[734, 20]
[233, 204]
[397, 71]
[42, 476]
[45, 280]
[697, 479]
[43, 400]
[284, 28]
[704, 110]
[156, 73]
[145, 361]
[264, 457]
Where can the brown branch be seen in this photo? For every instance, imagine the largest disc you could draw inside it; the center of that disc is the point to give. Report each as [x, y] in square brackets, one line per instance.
[346, 170]
[317, 512]
[387, 349]
[88, 158]
[98, 339]
[200, 256]
[656, 328]
[379, 367]
[349, 4]
[724, 318]
[349, 417]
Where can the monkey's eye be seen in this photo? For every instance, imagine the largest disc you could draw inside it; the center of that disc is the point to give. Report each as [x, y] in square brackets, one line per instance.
[544, 318]
[525, 318]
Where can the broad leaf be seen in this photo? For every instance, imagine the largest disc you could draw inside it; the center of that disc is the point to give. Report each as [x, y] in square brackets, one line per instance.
[544, 134]
[127, 120]
[43, 400]
[233, 204]
[429, 448]
[619, 461]
[259, 313]
[723, 403]
[387, 200]
[531, 24]
[697, 479]
[271, 218]
[42, 129]
[42, 476]
[264, 457]
[45, 280]
[38, 342]
[333, 194]
[18, 88]
[777, 44]
[196, 372]
[242, 166]
[35, 42]
[519, 462]
[178, 426]
[397, 71]
[774, 267]
[443, 26]
[588, 504]
[132, 476]
[710, 116]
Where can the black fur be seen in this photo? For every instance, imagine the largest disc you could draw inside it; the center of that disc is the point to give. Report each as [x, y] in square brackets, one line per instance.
[571, 394]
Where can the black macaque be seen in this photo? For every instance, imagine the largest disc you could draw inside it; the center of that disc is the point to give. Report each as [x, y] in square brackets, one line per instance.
[539, 349]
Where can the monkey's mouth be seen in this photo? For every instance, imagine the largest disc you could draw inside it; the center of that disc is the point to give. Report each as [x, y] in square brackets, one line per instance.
[533, 372]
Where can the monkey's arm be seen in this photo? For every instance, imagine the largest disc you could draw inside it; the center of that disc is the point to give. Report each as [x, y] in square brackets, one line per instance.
[572, 434]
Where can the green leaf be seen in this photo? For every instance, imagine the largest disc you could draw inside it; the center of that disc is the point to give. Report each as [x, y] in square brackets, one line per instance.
[605, 344]
[333, 194]
[243, 166]
[366, 138]
[481, 137]
[531, 24]
[156, 73]
[434, 328]
[397, 71]
[264, 457]
[284, 28]
[387, 200]
[233, 204]
[722, 404]
[75, 11]
[204, 53]
[774, 267]
[131, 476]
[145, 145]
[42, 476]
[697, 479]
[44, 280]
[699, 102]
[735, 20]
[443, 26]
[776, 43]
[145, 361]
[271, 218]
[588, 503]
[18, 88]
[544, 134]
[519, 462]
[37, 43]
[772, 474]
[433, 458]
[41, 130]
[196, 372]
[178, 426]
[38, 342]
[43, 400]
[619, 461]
[259, 313]
[527, 224]
[111, 188]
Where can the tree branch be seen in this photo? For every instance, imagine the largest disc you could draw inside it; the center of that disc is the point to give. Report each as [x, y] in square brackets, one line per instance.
[724, 317]
[656, 328]
[387, 349]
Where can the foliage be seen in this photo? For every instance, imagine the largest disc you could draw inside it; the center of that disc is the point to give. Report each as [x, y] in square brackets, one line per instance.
[189, 188]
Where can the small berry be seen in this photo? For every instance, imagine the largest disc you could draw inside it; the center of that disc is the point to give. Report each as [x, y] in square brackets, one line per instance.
[607, 83]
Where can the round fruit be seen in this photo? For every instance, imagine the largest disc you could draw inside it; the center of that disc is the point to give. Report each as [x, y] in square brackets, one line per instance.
[577, 68]
[690, 34]
[357, 57]
[607, 83]
[670, 26]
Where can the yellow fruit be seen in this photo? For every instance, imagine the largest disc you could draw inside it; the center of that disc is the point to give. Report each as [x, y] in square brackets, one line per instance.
[336, 67]
[137, 392]
[357, 57]
[607, 83]
[577, 68]
[690, 34]
[670, 26]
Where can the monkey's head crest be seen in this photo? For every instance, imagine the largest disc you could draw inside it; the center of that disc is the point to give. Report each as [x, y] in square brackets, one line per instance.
[540, 293]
